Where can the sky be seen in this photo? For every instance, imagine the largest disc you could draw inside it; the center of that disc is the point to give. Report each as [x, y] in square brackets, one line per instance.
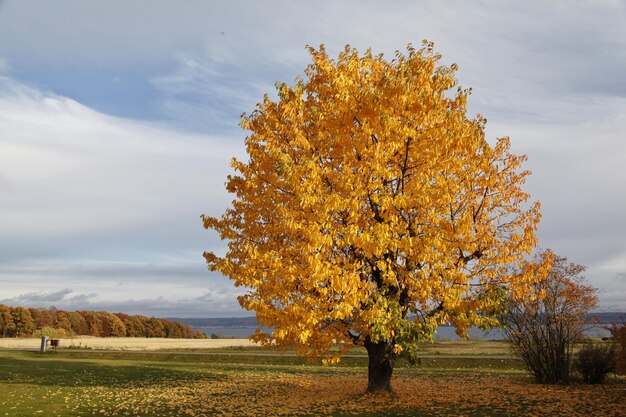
[118, 121]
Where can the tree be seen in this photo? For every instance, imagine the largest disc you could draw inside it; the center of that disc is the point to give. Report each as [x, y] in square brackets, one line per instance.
[135, 326]
[62, 321]
[78, 323]
[104, 317]
[618, 336]
[154, 328]
[118, 328]
[7, 326]
[94, 325]
[42, 317]
[544, 325]
[171, 330]
[372, 210]
[23, 320]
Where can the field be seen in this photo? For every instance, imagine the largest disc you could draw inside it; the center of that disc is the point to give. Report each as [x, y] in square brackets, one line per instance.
[240, 382]
[467, 347]
[126, 343]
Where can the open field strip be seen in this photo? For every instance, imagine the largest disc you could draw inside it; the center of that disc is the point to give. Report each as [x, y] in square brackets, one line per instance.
[128, 343]
[87, 383]
[463, 347]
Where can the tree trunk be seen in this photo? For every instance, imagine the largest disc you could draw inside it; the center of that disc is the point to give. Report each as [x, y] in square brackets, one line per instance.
[381, 363]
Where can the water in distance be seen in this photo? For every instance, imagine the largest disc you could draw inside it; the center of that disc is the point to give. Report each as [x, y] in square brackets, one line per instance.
[443, 333]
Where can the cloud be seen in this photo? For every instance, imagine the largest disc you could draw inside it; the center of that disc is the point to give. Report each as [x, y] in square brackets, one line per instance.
[620, 276]
[32, 298]
[81, 300]
[173, 288]
[203, 93]
[4, 182]
[214, 294]
[526, 62]
[211, 303]
[191, 271]
[613, 299]
[96, 176]
[168, 307]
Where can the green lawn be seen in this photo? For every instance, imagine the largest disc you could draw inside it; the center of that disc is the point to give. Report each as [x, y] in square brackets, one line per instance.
[86, 383]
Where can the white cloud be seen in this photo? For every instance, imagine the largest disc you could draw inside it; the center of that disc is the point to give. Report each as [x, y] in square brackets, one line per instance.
[578, 175]
[162, 290]
[202, 92]
[69, 169]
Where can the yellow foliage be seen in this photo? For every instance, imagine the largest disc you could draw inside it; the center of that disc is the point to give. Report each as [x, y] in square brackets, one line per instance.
[371, 206]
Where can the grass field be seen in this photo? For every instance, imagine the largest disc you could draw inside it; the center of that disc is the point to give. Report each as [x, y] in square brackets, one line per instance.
[97, 383]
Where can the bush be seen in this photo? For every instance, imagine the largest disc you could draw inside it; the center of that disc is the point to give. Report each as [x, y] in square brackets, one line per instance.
[52, 333]
[595, 361]
[618, 335]
[544, 327]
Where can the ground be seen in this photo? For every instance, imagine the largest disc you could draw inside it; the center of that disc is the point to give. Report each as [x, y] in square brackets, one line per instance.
[452, 347]
[126, 343]
[240, 383]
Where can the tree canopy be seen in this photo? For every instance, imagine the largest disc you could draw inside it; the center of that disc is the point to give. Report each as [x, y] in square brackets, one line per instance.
[372, 209]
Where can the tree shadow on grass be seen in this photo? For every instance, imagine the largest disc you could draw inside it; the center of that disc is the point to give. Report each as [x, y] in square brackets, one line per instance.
[83, 373]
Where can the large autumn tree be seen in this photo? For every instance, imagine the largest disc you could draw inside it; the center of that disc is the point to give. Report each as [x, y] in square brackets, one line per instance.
[372, 209]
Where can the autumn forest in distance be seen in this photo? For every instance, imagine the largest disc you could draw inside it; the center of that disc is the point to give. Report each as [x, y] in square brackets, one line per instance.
[24, 322]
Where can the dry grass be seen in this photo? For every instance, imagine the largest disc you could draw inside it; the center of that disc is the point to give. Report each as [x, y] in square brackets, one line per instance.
[464, 347]
[128, 343]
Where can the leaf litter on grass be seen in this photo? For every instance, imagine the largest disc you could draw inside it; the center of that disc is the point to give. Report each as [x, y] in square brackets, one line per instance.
[128, 388]
[287, 394]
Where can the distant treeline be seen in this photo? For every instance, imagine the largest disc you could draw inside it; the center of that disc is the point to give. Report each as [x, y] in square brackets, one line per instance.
[21, 322]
